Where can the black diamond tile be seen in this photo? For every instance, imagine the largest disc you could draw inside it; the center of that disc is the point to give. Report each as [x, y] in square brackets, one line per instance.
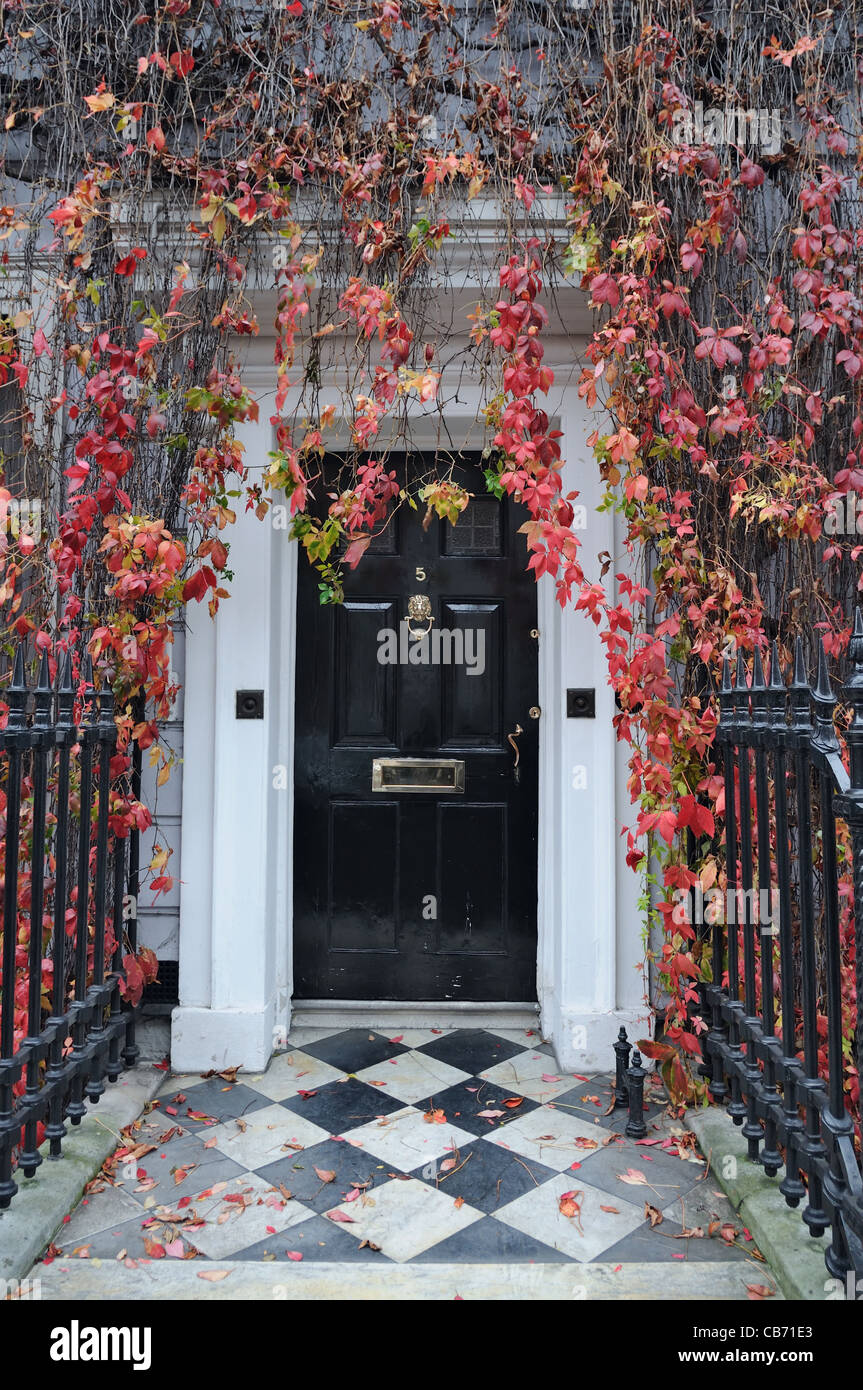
[670, 1177]
[341, 1106]
[462, 1103]
[657, 1244]
[315, 1239]
[128, 1236]
[488, 1242]
[486, 1176]
[653, 1117]
[589, 1100]
[350, 1165]
[354, 1049]
[169, 1162]
[472, 1049]
[216, 1099]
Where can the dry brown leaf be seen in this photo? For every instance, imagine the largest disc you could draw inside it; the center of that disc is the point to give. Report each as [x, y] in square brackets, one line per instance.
[653, 1214]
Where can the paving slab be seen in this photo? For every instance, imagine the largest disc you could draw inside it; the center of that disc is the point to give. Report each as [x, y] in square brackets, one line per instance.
[368, 1282]
[796, 1258]
[41, 1202]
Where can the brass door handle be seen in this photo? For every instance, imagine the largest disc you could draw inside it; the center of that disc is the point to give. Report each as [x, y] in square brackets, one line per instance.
[511, 739]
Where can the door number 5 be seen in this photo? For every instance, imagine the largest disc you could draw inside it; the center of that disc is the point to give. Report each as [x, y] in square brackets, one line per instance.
[421, 574]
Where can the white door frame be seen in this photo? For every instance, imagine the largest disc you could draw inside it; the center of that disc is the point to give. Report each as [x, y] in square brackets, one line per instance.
[236, 963]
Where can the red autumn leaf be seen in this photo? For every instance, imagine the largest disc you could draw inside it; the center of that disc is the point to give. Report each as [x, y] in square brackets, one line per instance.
[603, 290]
[195, 587]
[182, 63]
[126, 266]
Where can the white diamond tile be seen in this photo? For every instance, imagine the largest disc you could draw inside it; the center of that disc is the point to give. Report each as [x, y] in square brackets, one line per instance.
[537, 1213]
[230, 1226]
[406, 1217]
[292, 1072]
[412, 1076]
[549, 1136]
[531, 1074]
[263, 1134]
[406, 1139]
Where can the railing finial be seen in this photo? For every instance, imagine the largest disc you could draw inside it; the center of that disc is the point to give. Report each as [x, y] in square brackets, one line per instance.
[823, 688]
[825, 703]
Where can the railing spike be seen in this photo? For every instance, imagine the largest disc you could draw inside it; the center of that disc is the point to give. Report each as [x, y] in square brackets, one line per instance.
[757, 671]
[726, 676]
[66, 686]
[823, 688]
[18, 681]
[44, 682]
[777, 679]
[801, 680]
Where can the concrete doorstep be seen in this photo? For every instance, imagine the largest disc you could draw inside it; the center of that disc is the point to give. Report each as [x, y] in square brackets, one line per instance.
[795, 1257]
[41, 1202]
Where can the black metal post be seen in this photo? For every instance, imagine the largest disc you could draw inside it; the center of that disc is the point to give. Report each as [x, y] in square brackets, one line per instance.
[65, 734]
[635, 1076]
[14, 737]
[40, 739]
[622, 1049]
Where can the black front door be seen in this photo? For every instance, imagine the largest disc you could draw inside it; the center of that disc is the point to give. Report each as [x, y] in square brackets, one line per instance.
[419, 894]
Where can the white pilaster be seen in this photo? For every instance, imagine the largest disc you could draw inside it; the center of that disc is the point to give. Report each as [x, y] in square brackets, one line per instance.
[234, 952]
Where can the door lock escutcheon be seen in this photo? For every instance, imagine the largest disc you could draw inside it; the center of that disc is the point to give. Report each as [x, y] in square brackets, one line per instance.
[534, 711]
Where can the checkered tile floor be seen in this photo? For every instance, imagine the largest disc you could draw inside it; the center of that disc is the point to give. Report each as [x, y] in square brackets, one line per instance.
[434, 1145]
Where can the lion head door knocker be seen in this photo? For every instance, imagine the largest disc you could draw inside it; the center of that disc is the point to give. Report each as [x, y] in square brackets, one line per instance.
[419, 611]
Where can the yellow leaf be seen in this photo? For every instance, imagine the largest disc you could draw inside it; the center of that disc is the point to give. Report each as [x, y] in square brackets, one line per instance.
[102, 101]
[164, 774]
[220, 226]
[10, 120]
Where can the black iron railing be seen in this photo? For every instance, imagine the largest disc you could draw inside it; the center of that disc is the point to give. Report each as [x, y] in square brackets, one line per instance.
[781, 951]
[64, 1028]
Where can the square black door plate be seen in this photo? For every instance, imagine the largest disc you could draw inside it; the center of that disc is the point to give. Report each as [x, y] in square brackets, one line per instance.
[581, 704]
[250, 704]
